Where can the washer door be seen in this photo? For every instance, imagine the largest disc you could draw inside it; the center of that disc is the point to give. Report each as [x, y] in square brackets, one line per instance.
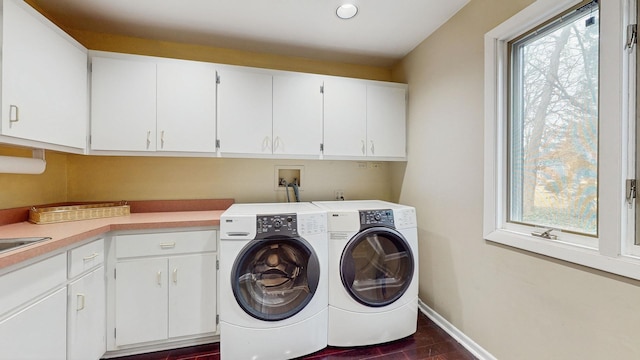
[275, 278]
[377, 266]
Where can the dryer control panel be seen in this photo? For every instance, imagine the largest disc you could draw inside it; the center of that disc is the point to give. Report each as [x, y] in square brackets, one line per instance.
[371, 218]
[276, 224]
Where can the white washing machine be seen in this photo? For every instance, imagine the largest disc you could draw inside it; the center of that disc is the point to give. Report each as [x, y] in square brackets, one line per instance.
[373, 272]
[273, 281]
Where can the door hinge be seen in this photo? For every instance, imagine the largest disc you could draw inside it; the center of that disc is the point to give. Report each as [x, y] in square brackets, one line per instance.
[217, 319]
[321, 89]
[321, 147]
[630, 190]
[217, 264]
[217, 78]
[114, 333]
[114, 273]
[632, 36]
[217, 144]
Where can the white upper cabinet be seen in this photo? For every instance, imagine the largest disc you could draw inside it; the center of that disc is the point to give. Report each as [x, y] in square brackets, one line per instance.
[245, 112]
[186, 106]
[345, 118]
[297, 114]
[364, 119]
[386, 120]
[123, 104]
[44, 81]
[149, 104]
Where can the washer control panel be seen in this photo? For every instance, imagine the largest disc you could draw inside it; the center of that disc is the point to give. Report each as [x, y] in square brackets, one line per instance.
[371, 218]
[276, 224]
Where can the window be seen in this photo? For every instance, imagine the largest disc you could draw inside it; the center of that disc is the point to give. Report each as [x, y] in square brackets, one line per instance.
[553, 123]
[560, 133]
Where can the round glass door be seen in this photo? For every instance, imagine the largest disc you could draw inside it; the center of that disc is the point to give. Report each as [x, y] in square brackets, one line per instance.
[377, 266]
[273, 279]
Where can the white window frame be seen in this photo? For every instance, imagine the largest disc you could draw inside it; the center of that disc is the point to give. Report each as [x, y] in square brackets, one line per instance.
[607, 251]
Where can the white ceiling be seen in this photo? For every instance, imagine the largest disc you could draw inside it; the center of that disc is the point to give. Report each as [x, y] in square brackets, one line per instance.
[381, 33]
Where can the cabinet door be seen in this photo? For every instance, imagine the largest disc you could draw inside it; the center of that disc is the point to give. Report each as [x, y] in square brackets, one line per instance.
[386, 121]
[44, 80]
[86, 317]
[192, 295]
[37, 332]
[297, 114]
[345, 118]
[245, 112]
[141, 301]
[186, 107]
[123, 105]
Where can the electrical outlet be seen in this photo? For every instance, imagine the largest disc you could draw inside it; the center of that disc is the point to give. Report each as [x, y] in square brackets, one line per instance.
[338, 194]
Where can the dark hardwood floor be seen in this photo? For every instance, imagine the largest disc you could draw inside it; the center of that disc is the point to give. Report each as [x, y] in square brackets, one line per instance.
[429, 342]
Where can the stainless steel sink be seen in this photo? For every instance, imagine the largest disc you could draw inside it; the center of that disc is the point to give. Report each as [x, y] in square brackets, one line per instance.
[7, 244]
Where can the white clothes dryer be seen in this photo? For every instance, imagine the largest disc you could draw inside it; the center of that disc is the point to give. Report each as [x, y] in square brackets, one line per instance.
[273, 281]
[373, 272]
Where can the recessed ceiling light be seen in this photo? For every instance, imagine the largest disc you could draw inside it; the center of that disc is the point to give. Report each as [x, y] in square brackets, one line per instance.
[346, 11]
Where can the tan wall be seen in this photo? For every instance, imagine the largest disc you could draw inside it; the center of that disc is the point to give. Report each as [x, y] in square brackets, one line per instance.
[28, 190]
[514, 304]
[245, 180]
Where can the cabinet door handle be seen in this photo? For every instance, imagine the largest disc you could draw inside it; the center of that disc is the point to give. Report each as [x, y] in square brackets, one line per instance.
[175, 276]
[266, 143]
[363, 149]
[170, 245]
[373, 149]
[14, 114]
[162, 139]
[80, 300]
[276, 143]
[159, 277]
[90, 257]
[148, 139]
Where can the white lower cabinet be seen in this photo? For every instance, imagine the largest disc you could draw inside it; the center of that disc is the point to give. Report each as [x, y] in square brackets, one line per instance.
[36, 332]
[141, 301]
[192, 295]
[165, 288]
[86, 309]
[33, 316]
[86, 317]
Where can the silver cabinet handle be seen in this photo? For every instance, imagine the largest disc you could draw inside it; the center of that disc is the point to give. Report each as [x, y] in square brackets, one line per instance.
[162, 139]
[175, 276]
[363, 149]
[14, 114]
[148, 139]
[159, 277]
[170, 245]
[80, 300]
[90, 257]
[373, 149]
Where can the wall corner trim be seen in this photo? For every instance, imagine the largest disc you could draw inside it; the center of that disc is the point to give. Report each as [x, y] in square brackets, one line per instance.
[477, 350]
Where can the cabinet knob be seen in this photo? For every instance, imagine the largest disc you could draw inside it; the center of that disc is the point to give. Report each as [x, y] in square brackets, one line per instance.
[363, 149]
[373, 149]
[148, 139]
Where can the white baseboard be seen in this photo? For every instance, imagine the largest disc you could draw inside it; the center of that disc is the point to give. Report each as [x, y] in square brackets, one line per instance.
[455, 333]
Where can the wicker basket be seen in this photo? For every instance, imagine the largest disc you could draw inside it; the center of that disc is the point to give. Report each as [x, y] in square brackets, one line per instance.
[58, 214]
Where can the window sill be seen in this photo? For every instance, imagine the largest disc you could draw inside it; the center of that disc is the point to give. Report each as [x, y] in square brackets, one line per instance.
[620, 265]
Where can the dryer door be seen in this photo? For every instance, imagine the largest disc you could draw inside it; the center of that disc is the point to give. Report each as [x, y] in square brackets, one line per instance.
[377, 266]
[275, 278]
